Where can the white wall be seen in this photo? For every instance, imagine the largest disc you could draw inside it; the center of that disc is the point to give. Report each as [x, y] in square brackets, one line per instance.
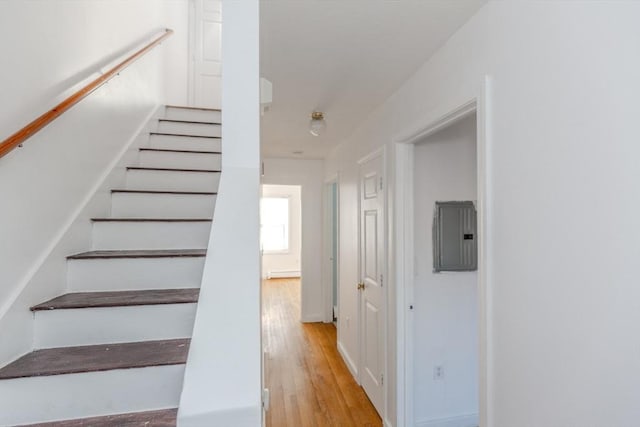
[176, 59]
[562, 207]
[45, 184]
[222, 384]
[445, 304]
[348, 252]
[289, 260]
[309, 175]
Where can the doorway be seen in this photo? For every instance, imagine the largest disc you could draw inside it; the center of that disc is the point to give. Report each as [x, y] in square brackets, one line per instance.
[331, 254]
[445, 315]
[474, 182]
[205, 53]
[372, 272]
[281, 231]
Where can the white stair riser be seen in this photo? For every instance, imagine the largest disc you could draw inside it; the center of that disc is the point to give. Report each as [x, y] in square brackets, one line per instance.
[150, 205]
[191, 114]
[88, 326]
[168, 142]
[181, 128]
[59, 397]
[150, 235]
[118, 274]
[169, 180]
[168, 159]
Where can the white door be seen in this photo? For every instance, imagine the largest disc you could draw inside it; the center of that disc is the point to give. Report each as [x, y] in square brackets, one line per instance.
[206, 69]
[372, 243]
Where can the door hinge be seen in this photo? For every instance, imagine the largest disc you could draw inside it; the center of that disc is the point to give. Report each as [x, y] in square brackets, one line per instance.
[265, 399]
[381, 379]
[381, 183]
[381, 281]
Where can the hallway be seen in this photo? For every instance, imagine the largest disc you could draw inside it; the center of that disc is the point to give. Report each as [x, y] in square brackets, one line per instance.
[309, 383]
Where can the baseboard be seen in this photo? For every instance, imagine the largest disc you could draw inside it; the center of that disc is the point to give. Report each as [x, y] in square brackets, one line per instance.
[283, 274]
[469, 420]
[314, 318]
[347, 360]
[237, 417]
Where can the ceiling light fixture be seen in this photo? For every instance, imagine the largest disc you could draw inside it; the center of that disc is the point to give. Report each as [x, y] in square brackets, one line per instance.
[317, 125]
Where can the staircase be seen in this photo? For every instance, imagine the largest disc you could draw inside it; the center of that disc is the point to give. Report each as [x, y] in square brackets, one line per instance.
[111, 352]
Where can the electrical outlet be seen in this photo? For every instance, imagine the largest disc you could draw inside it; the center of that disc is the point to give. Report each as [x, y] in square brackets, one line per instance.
[438, 372]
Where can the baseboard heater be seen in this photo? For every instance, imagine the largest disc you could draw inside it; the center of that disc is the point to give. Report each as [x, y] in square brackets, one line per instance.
[282, 274]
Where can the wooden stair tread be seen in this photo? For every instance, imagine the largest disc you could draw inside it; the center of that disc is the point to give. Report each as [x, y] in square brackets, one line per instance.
[193, 108]
[96, 358]
[171, 150]
[193, 193]
[160, 418]
[141, 168]
[120, 299]
[151, 219]
[140, 253]
[182, 134]
[189, 121]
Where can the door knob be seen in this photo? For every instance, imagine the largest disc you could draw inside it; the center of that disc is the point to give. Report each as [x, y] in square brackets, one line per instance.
[360, 286]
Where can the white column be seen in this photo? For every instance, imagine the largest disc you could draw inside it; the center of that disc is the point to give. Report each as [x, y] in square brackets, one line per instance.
[223, 376]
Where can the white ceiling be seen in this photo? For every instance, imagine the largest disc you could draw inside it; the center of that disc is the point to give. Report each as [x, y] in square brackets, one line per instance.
[343, 57]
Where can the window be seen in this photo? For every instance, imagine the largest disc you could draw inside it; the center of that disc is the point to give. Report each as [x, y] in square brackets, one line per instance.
[274, 224]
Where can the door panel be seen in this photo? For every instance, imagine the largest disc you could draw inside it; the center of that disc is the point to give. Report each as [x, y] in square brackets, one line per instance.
[372, 242]
[371, 343]
[370, 246]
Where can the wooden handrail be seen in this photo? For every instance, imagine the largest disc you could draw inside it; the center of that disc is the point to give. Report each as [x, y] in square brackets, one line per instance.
[29, 130]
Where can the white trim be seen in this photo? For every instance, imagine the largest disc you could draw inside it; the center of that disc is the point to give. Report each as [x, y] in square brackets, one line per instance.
[377, 153]
[404, 282]
[485, 201]
[312, 318]
[327, 288]
[470, 420]
[405, 251]
[282, 274]
[425, 130]
[347, 360]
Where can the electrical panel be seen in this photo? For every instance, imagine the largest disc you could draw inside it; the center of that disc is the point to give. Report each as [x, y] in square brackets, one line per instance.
[455, 239]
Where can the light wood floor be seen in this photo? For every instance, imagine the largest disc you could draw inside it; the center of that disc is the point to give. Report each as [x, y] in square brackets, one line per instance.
[308, 381]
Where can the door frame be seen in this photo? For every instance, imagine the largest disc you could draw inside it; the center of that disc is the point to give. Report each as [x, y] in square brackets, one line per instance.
[328, 239]
[404, 248]
[380, 152]
[191, 49]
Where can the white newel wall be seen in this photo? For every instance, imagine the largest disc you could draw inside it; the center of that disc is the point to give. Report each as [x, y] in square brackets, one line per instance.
[563, 212]
[45, 184]
[222, 384]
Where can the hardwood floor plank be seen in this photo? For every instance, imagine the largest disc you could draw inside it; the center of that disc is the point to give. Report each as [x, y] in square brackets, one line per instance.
[310, 384]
